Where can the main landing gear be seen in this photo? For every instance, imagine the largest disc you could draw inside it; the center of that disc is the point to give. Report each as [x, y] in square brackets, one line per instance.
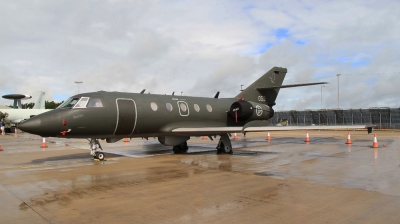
[224, 145]
[95, 149]
[181, 148]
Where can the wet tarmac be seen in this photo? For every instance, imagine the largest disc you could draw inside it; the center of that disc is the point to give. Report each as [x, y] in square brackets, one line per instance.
[284, 180]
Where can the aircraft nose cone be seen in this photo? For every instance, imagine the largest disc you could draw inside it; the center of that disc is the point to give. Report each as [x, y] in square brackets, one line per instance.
[31, 125]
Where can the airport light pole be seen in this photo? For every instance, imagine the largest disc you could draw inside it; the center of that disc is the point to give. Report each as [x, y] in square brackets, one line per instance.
[321, 94]
[338, 84]
[78, 82]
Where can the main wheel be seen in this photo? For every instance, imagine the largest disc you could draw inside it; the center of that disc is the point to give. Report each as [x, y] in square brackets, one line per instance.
[220, 148]
[100, 156]
[228, 149]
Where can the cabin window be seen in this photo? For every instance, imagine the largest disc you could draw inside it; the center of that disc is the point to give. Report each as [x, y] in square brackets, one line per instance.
[209, 108]
[183, 107]
[82, 102]
[95, 102]
[153, 106]
[169, 107]
[196, 108]
[68, 103]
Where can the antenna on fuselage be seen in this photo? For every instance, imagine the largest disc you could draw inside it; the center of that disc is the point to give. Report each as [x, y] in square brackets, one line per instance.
[142, 91]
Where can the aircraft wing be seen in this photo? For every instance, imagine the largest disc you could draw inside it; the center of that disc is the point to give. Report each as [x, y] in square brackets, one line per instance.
[217, 130]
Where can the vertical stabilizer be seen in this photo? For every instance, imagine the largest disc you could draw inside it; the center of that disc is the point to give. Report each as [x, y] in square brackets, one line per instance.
[263, 90]
[40, 102]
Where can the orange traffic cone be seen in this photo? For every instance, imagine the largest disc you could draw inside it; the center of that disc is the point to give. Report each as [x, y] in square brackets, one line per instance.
[307, 138]
[348, 139]
[1, 149]
[126, 139]
[268, 137]
[204, 137]
[44, 145]
[375, 144]
[235, 137]
[15, 131]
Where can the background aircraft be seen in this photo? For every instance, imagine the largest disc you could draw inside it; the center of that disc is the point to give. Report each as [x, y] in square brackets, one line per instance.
[17, 114]
[172, 119]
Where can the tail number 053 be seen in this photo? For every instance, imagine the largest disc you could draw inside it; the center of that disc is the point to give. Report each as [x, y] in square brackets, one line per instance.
[261, 98]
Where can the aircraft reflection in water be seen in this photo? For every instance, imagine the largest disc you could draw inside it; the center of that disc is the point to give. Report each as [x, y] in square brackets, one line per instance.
[173, 119]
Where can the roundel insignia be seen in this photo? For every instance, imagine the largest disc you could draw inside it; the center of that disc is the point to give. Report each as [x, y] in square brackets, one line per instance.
[259, 110]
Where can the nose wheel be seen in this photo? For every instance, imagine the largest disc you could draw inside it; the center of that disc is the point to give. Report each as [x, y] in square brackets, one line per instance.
[96, 149]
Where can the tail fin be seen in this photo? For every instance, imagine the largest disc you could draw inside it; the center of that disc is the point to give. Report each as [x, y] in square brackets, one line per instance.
[39, 103]
[266, 88]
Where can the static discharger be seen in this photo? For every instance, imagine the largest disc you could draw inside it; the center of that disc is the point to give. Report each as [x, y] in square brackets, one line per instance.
[307, 138]
[44, 145]
[375, 144]
[348, 139]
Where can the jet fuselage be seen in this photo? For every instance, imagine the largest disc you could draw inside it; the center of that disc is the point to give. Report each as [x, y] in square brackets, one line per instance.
[123, 115]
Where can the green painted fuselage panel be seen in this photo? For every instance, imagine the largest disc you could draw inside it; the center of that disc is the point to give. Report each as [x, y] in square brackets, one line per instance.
[136, 115]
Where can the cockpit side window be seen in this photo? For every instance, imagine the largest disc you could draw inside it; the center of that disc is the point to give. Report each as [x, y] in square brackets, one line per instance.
[68, 103]
[95, 102]
[82, 102]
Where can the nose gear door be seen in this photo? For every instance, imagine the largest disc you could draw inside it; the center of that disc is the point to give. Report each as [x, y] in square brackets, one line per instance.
[126, 117]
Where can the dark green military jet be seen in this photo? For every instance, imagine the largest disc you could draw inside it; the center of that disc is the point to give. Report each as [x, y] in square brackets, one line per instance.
[173, 119]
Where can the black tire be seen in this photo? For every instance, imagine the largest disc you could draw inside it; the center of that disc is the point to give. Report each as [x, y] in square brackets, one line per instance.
[220, 148]
[228, 150]
[181, 148]
[100, 156]
[12, 130]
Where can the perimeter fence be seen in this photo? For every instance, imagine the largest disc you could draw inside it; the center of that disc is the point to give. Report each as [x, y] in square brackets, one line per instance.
[381, 118]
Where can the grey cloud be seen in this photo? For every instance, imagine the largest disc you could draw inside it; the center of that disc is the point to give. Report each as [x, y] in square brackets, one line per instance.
[201, 47]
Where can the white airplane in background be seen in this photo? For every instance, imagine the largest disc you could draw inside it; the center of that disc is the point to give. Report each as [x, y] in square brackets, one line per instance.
[17, 114]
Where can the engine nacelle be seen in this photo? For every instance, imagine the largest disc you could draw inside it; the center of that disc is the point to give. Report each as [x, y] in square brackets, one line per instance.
[173, 140]
[249, 111]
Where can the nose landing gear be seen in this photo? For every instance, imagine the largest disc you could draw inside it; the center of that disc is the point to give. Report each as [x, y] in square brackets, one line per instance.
[95, 149]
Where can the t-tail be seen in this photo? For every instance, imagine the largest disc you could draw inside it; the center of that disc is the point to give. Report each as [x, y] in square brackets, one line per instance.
[265, 90]
[257, 100]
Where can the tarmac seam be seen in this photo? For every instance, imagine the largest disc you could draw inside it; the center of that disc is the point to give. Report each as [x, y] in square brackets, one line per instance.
[25, 203]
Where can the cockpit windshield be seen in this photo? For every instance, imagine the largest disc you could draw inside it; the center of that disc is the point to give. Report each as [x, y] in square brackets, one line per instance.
[83, 102]
[68, 103]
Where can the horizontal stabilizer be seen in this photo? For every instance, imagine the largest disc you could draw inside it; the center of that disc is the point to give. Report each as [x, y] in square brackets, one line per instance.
[293, 85]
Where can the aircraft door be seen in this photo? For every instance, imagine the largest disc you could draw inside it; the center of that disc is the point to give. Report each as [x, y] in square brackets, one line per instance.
[126, 117]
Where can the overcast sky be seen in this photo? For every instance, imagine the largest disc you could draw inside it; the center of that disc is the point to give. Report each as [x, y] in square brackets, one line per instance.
[201, 47]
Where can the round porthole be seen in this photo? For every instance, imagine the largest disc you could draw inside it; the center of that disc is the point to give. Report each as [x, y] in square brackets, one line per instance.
[154, 106]
[209, 108]
[169, 107]
[183, 107]
[196, 108]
